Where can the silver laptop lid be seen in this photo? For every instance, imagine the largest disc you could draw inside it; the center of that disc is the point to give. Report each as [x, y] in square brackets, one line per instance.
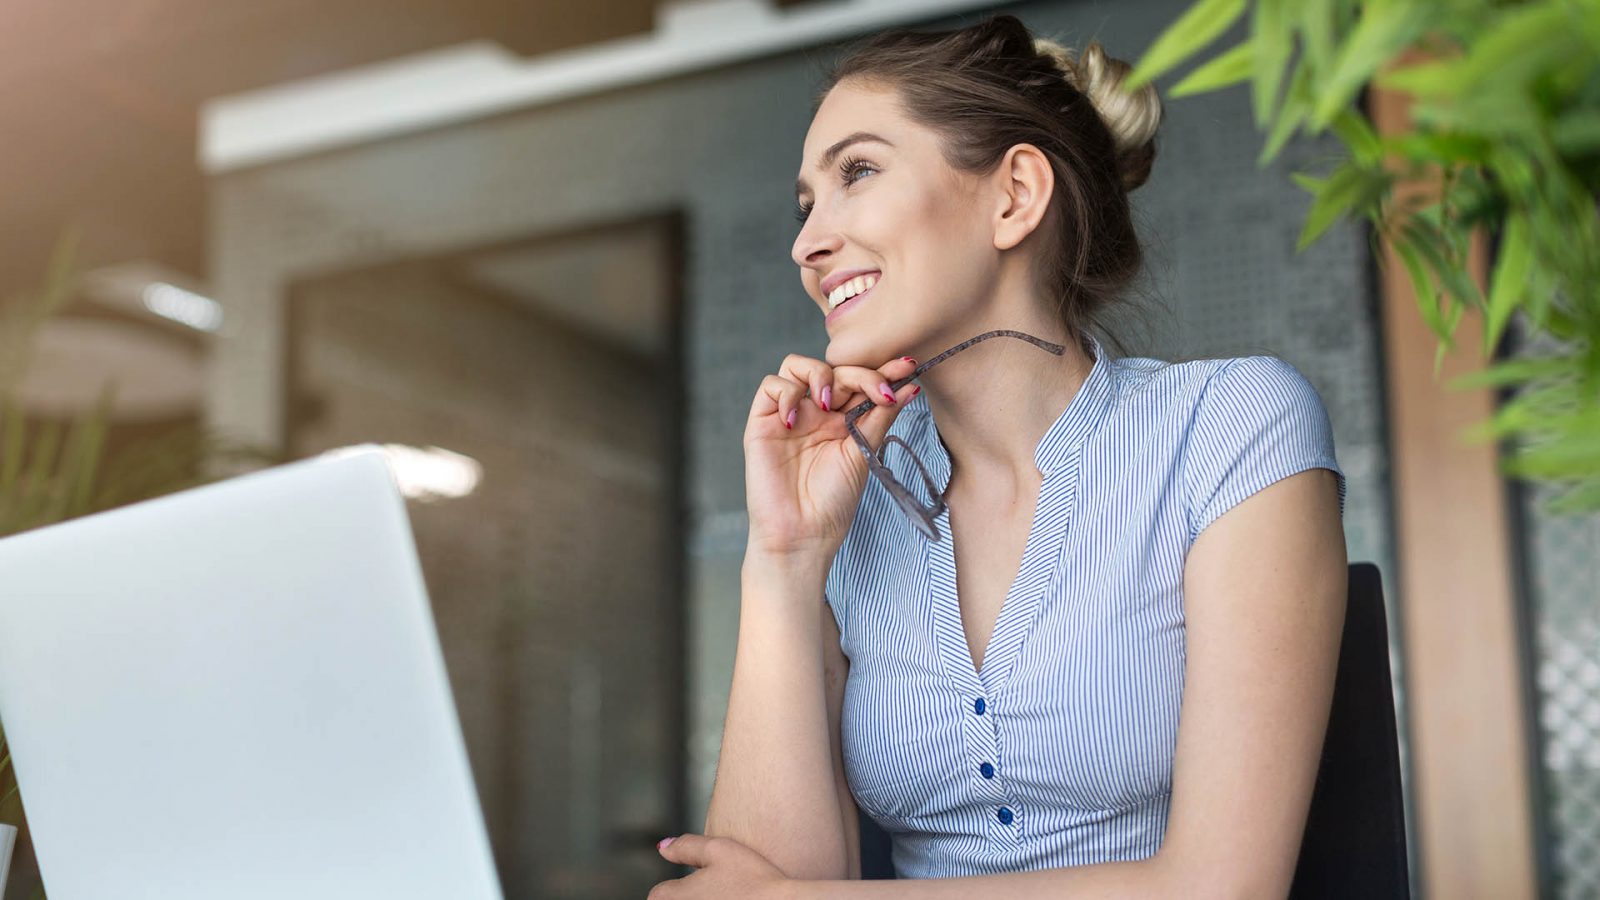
[237, 691]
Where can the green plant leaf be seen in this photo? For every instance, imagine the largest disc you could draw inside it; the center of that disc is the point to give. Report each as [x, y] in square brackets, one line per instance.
[1421, 285]
[1352, 128]
[1197, 27]
[1296, 103]
[1525, 39]
[1576, 132]
[15, 433]
[1509, 280]
[1582, 498]
[1383, 30]
[1350, 188]
[1434, 249]
[1425, 79]
[1439, 147]
[1317, 32]
[1514, 370]
[36, 482]
[1273, 35]
[1231, 67]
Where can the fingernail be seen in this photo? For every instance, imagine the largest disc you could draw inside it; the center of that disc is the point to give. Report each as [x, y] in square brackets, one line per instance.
[789, 422]
[886, 392]
[827, 397]
[916, 389]
[662, 844]
[909, 360]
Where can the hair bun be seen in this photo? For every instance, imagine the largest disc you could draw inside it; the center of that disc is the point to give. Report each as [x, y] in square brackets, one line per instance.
[1132, 118]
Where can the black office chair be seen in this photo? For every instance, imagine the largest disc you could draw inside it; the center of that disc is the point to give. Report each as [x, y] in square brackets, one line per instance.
[1355, 837]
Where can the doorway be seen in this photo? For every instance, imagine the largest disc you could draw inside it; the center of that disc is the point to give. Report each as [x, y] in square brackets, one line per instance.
[543, 378]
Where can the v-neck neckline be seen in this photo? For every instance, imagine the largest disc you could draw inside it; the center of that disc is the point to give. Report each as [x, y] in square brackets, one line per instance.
[1057, 457]
[1041, 556]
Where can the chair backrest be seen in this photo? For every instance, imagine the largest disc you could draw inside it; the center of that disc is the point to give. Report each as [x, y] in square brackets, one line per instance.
[1355, 836]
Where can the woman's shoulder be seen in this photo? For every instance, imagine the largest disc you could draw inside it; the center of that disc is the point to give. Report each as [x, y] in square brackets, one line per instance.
[1210, 383]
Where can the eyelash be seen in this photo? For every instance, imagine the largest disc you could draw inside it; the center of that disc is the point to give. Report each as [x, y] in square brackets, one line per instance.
[847, 167]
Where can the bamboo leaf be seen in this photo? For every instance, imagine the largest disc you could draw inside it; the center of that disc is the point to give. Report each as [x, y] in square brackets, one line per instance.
[1381, 33]
[83, 481]
[1427, 302]
[1513, 371]
[1231, 67]
[1431, 245]
[1351, 188]
[1509, 280]
[1576, 132]
[1438, 147]
[1296, 103]
[1525, 39]
[36, 482]
[1581, 499]
[1317, 31]
[1352, 128]
[1452, 318]
[11, 452]
[1197, 27]
[1274, 42]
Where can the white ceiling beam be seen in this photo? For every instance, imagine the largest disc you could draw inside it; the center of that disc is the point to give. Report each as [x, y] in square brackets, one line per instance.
[481, 78]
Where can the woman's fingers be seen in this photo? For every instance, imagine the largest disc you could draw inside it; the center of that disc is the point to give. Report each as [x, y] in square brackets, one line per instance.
[875, 423]
[814, 375]
[829, 388]
[779, 396]
[853, 384]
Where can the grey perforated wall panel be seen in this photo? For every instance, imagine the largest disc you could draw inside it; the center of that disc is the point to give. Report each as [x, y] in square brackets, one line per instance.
[723, 147]
[1562, 563]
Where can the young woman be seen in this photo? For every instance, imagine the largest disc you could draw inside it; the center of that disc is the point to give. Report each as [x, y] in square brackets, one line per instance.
[1123, 545]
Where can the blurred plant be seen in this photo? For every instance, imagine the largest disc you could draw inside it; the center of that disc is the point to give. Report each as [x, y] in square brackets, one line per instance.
[1506, 122]
[51, 471]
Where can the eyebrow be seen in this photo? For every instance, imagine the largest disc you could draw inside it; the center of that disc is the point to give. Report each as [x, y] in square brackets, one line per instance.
[800, 186]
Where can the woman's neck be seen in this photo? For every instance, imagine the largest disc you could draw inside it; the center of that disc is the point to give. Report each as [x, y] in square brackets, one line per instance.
[993, 403]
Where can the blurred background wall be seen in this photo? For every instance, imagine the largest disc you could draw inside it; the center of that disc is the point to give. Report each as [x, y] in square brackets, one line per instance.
[557, 243]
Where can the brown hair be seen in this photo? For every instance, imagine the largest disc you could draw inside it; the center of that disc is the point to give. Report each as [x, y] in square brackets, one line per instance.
[985, 88]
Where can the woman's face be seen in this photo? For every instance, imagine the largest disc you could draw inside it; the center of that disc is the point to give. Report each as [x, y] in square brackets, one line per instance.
[890, 205]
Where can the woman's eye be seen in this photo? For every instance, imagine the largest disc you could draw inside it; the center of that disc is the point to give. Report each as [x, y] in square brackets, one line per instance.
[847, 169]
[851, 166]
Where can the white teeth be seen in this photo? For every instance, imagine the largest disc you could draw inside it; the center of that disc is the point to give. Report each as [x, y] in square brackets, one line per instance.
[851, 288]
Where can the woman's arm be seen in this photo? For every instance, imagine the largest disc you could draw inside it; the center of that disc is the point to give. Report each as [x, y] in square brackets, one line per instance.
[776, 789]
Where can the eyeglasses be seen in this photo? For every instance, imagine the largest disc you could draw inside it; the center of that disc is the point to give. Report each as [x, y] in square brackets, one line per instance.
[921, 514]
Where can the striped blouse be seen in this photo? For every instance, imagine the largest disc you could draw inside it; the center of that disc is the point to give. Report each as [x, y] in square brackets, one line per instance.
[1059, 752]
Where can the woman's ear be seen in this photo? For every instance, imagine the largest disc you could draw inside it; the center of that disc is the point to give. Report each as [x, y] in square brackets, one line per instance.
[1023, 183]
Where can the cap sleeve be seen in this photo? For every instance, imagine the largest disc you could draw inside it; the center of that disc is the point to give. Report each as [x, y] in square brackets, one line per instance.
[1258, 420]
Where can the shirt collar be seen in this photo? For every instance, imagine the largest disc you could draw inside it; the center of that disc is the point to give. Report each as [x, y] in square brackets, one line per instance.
[1082, 416]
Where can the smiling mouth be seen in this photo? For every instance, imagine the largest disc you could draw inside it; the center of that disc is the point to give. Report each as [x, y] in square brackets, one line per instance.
[850, 303]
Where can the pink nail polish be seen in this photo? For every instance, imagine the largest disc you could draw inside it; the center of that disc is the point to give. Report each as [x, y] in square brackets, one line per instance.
[909, 360]
[789, 422]
[662, 844]
[827, 397]
[888, 394]
[916, 389]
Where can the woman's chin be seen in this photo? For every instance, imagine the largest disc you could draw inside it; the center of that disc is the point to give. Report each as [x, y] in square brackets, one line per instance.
[863, 347]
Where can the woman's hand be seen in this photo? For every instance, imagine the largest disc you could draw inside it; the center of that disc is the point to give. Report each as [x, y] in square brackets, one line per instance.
[803, 472]
[728, 870]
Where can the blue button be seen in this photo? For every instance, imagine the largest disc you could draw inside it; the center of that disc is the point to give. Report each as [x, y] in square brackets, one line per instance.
[977, 706]
[987, 770]
[1005, 815]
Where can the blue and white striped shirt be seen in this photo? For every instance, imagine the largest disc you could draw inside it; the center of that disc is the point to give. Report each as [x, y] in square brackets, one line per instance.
[1059, 752]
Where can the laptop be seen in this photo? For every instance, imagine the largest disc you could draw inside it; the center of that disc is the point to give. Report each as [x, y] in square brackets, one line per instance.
[237, 691]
